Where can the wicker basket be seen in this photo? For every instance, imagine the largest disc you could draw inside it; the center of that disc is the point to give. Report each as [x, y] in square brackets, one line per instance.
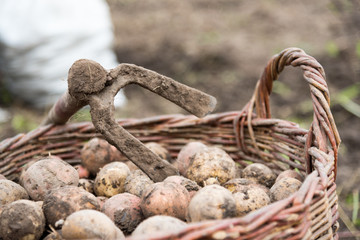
[249, 137]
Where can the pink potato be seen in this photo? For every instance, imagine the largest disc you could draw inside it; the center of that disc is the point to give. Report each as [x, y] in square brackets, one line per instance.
[165, 198]
[96, 153]
[46, 174]
[183, 158]
[124, 210]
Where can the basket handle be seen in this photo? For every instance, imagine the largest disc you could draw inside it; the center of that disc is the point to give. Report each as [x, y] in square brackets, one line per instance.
[323, 127]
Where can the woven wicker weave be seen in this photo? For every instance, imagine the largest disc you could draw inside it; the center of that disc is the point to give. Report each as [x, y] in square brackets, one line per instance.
[249, 137]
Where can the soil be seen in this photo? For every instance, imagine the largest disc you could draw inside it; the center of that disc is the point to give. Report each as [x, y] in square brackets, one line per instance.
[221, 47]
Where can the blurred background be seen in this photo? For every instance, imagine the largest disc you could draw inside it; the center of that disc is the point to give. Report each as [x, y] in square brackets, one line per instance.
[221, 47]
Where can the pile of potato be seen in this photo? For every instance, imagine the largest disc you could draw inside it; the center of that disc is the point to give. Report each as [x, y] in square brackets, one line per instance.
[107, 198]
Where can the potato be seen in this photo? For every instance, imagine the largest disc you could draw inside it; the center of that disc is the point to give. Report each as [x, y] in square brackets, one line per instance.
[165, 198]
[137, 182]
[191, 186]
[159, 150]
[284, 188]
[290, 173]
[47, 174]
[124, 209]
[110, 180]
[82, 171]
[22, 219]
[259, 173]
[90, 224]
[2, 177]
[86, 184]
[101, 200]
[241, 184]
[158, 224]
[250, 199]
[96, 153]
[184, 157]
[211, 202]
[61, 202]
[11, 191]
[211, 181]
[211, 162]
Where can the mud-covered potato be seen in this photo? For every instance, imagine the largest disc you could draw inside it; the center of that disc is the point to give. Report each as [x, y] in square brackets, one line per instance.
[22, 219]
[47, 174]
[11, 191]
[158, 224]
[211, 181]
[184, 157]
[137, 182]
[124, 210]
[86, 184]
[61, 202]
[211, 162]
[241, 184]
[291, 174]
[96, 153]
[250, 199]
[190, 185]
[159, 150]
[259, 173]
[165, 198]
[211, 202]
[284, 188]
[110, 180]
[90, 224]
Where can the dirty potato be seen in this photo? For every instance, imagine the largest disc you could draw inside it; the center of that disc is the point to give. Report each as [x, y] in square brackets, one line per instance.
[165, 198]
[250, 199]
[110, 180]
[11, 191]
[158, 224]
[191, 186]
[184, 157]
[61, 202]
[259, 173]
[47, 174]
[211, 202]
[96, 153]
[137, 182]
[284, 188]
[90, 224]
[124, 210]
[211, 162]
[22, 219]
[290, 173]
[86, 184]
